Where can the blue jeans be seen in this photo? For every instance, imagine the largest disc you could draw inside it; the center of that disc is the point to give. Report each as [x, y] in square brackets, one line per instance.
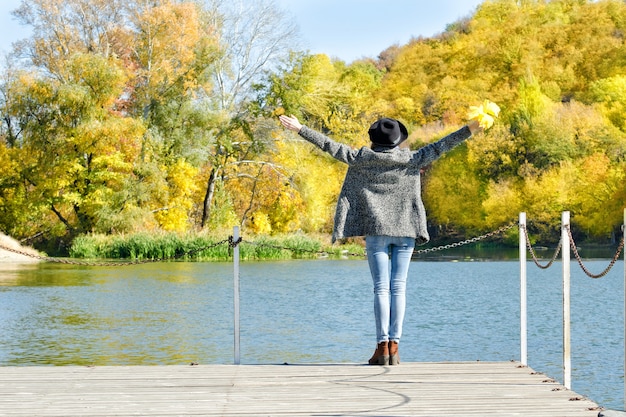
[389, 259]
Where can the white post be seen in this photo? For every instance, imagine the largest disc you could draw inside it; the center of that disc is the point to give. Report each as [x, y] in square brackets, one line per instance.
[624, 254]
[567, 350]
[523, 291]
[236, 292]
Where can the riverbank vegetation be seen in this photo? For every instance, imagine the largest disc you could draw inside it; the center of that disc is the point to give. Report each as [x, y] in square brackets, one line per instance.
[159, 121]
[174, 246]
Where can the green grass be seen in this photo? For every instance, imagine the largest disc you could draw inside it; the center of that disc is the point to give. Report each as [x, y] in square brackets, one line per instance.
[171, 246]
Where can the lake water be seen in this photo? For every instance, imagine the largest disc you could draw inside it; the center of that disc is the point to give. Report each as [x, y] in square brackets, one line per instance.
[310, 311]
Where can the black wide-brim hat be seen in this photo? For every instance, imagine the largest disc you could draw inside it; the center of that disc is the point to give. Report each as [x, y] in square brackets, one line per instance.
[387, 132]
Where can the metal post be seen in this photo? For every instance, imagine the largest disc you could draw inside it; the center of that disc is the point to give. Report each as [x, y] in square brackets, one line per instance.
[624, 236]
[523, 292]
[567, 350]
[236, 292]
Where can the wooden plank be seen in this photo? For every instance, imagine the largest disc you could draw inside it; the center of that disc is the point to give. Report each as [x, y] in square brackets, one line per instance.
[415, 389]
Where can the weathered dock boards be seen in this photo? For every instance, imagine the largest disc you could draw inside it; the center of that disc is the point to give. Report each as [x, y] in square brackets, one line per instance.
[411, 389]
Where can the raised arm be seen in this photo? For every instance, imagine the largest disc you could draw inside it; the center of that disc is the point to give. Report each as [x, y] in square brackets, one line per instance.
[429, 153]
[339, 151]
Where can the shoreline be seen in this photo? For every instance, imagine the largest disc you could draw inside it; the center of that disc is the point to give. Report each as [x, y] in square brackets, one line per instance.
[7, 256]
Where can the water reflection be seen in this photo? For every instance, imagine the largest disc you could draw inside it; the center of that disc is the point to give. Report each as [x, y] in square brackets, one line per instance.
[150, 314]
[10, 272]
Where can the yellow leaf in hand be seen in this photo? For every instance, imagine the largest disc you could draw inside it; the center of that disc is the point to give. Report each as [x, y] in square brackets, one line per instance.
[485, 121]
[475, 112]
[491, 108]
[485, 114]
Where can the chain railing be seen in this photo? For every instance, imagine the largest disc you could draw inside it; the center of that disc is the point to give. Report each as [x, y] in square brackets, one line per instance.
[581, 263]
[534, 255]
[232, 243]
[572, 245]
[565, 246]
[417, 252]
[466, 242]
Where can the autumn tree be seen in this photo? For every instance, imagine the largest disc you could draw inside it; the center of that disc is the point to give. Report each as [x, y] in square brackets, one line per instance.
[72, 153]
[170, 54]
[61, 28]
[173, 48]
[254, 38]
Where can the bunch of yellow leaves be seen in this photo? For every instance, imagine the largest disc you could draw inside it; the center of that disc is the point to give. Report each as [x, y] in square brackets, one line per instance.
[485, 114]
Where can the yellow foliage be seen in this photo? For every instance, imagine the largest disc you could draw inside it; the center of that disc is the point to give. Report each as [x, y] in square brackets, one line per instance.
[180, 178]
[452, 195]
[406, 108]
[598, 194]
[318, 180]
[181, 190]
[285, 214]
[549, 194]
[174, 219]
[260, 223]
[7, 162]
[502, 204]
[168, 35]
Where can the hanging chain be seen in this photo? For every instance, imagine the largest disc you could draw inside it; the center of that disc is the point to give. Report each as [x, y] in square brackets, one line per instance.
[534, 255]
[420, 251]
[580, 261]
[300, 250]
[468, 241]
[232, 243]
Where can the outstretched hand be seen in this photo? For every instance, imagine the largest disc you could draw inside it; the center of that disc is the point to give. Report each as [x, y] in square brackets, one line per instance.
[474, 127]
[290, 122]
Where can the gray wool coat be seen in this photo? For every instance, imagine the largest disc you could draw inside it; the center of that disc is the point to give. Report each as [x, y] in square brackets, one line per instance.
[381, 193]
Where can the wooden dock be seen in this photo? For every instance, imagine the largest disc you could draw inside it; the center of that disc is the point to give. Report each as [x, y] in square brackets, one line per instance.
[410, 389]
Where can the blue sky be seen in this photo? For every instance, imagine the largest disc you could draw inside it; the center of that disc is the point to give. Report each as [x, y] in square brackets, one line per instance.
[346, 29]
[10, 30]
[352, 29]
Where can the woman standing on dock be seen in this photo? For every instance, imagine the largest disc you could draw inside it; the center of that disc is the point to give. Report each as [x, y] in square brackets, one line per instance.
[381, 200]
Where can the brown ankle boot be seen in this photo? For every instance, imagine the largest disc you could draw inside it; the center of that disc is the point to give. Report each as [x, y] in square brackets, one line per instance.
[381, 354]
[394, 355]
